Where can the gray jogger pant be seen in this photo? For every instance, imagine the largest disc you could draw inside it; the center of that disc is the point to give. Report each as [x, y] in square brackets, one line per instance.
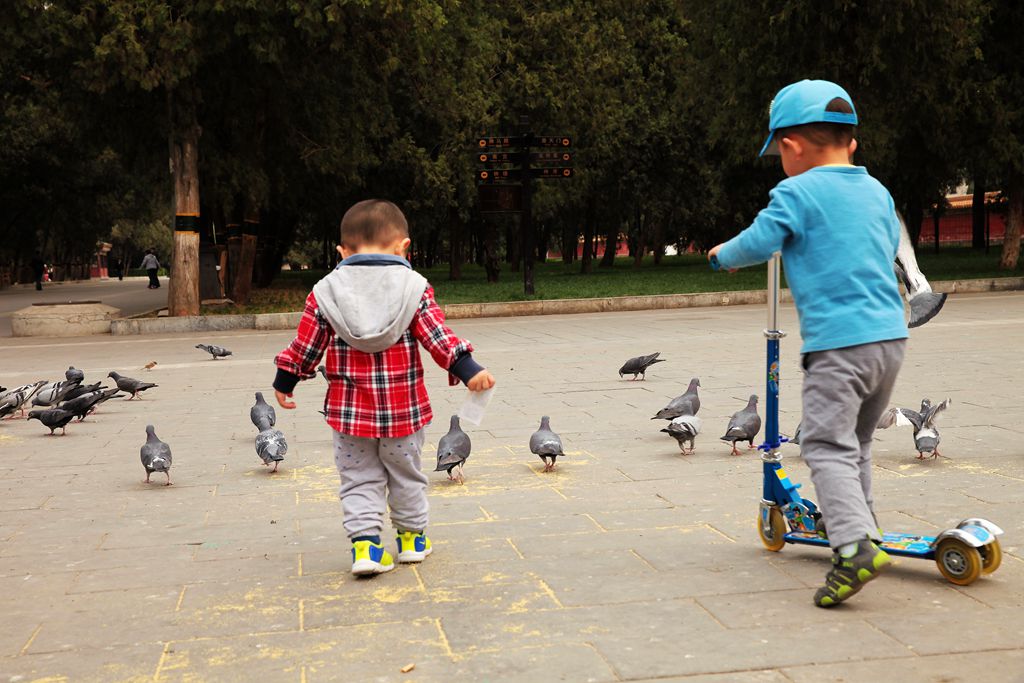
[380, 473]
[845, 392]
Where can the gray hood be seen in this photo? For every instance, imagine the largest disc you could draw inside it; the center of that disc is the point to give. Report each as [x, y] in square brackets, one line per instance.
[370, 305]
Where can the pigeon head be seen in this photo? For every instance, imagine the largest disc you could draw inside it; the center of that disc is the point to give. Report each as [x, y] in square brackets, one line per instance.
[454, 423]
[34, 414]
[259, 397]
[752, 401]
[695, 382]
[113, 374]
[199, 346]
[150, 432]
[544, 423]
[926, 404]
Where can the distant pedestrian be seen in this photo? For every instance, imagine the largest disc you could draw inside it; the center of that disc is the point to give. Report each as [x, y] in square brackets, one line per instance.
[151, 266]
[119, 268]
[38, 270]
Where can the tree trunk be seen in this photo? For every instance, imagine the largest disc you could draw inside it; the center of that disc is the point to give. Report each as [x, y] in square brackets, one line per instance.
[492, 262]
[915, 216]
[234, 251]
[587, 257]
[638, 257]
[611, 245]
[242, 285]
[936, 224]
[1014, 220]
[183, 293]
[978, 215]
[455, 249]
[569, 237]
[511, 247]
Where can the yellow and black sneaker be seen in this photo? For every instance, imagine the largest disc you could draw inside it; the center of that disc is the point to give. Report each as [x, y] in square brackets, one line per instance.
[850, 571]
[413, 546]
[369, 558]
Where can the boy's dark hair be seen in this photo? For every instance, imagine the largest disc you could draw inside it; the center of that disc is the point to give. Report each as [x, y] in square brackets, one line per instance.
[373, 221]
[825, 134]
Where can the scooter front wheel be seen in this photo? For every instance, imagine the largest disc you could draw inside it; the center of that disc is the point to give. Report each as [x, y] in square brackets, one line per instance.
[958, 562]
[991, 557]
[773, 537]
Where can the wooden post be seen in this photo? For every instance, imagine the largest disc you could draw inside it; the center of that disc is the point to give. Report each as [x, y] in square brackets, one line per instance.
[1014, 220]
[247, 257]
[183, 294]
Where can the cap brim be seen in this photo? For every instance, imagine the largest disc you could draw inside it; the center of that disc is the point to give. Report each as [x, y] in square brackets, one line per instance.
[770, 146]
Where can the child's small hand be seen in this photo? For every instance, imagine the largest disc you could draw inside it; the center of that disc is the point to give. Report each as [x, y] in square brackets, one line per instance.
[481, 381]
[282, 400]
[714, 252]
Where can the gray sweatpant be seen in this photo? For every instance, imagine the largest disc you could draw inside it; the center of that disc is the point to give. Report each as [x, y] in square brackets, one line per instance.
[845, 392]
[380, 473]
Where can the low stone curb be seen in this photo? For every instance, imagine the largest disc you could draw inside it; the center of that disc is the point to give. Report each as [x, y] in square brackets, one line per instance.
[504, 309]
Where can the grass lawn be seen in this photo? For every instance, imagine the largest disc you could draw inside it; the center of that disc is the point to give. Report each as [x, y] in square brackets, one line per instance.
[675, 275]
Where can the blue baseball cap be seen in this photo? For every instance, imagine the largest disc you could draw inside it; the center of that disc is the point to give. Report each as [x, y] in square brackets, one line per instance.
[805, 102]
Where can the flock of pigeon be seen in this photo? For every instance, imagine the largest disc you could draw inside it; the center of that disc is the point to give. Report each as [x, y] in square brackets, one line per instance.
[61, 402]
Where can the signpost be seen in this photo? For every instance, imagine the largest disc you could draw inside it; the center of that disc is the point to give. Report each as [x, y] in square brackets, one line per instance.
[505, 182]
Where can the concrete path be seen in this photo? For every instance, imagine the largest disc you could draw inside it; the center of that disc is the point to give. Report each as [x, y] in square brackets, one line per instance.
[630, 562]
[129, 295]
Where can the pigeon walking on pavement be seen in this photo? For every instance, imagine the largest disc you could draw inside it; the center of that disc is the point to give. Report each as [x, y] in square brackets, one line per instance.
[638, 366]
[685, 429]
[453, 451]
[546, 444]
[214, 350]
[73, 374]
[156, 455]
[262, 413]
[129, 385]
[926, 433]
[54, 418]
[686, 404]
[744, 425]
[271, 446]
[53, 393]
[15, 399]
[82, 390]
[82, 405]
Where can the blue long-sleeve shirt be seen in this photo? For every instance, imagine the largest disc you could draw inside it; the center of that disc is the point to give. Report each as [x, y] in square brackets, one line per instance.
[837, 229]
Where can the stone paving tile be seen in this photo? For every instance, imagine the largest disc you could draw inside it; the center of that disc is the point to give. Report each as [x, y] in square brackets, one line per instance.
[991, 666]
[630, 562]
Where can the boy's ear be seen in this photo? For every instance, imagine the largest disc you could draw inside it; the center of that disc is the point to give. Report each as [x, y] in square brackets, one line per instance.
[402, 246]
[345, 253]
[793, 145]
[852, 148]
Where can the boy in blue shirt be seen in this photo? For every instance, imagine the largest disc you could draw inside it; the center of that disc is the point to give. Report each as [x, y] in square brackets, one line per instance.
[837, 229]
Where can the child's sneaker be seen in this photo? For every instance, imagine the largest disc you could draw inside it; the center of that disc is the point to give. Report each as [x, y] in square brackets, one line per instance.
[370, 558]
[413, 546]
[850, 572]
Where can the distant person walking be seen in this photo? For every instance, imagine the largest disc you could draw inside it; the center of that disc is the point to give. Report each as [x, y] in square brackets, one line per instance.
[38, 270]
[151, 265]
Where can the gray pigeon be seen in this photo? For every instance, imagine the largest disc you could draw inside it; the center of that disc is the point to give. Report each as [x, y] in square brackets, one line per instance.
[82, 405]
[638, 366]
[685, 429]
[744, 425]
[82, 390]
[323, 371]
[796, 436]
[53, 393]
[15, 399]
[546, 444]
[271, 446]
[55, 418]
[926, 433]
[453, 451]
[73, 374]
[262, 413]
[924, 303]
[156, 456]
[132, 386]
[214, 350]
[686, 404]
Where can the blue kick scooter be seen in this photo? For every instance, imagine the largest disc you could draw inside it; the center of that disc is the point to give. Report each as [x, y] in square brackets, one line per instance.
[962, 554]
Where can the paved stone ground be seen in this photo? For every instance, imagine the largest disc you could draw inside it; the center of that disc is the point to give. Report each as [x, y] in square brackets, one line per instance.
[630, 563]
[130, 295]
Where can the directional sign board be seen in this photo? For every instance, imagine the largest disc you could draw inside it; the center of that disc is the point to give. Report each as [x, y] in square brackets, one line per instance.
[498, 175]
[552, 172]
[563, 141]
[548, 157]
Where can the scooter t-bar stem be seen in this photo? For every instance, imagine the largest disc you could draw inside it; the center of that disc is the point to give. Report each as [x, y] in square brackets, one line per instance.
[772, 333]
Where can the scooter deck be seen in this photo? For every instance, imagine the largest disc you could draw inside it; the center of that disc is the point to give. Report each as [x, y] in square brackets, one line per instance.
[903, 545]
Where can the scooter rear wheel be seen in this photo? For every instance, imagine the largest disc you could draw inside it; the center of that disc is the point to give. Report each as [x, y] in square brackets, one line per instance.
[772, 537]
[958, 562]
[991, 557]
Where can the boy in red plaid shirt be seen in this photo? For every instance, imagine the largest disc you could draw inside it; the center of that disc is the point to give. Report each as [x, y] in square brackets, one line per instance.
[368, 316]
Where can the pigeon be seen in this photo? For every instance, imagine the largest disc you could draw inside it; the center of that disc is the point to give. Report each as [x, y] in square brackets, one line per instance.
[15, 399]
[156, 456]
[53, 393]
[926, 434]
[82, 390]
[323, 371]
[149, 366]
[82, 405]
[685, 429]
[924, 303]
[271, 446]
[453, 451]
[687, 404]
[215, 351]
[262, 413]
[744, 425]
[55, 418]
[796, 437]
[132, 386]
[546, 444]
[73, 374]
[638, 366]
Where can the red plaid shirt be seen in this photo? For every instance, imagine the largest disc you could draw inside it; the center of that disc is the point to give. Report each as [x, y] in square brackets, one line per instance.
[374, 395]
